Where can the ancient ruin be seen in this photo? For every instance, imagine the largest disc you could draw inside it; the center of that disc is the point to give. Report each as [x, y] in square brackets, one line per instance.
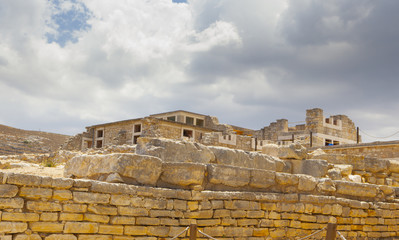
[151, 179]
[317, 130]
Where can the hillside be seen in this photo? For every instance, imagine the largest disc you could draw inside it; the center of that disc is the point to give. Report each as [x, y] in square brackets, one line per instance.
[18, 141]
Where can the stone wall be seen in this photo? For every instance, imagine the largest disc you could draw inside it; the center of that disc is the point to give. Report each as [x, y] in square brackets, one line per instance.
[375, 149]
[37, 208]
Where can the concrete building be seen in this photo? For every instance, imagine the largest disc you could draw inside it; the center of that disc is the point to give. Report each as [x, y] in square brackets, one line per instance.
[317, 130]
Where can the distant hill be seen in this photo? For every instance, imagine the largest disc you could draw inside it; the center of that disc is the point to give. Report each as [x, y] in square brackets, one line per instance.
[18, 141]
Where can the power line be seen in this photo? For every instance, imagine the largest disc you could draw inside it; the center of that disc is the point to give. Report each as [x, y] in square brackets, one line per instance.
[379, 137]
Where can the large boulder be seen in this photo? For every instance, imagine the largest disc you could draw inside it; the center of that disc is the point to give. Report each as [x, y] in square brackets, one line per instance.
[292, 151]
[240, 158]
[131, 168]
[313, 167]
[174, 151]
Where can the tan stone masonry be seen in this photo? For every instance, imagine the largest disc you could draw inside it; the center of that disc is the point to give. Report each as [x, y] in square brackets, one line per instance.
[33, 207]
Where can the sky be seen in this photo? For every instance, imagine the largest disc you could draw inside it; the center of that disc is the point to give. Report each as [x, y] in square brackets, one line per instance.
[67, 64]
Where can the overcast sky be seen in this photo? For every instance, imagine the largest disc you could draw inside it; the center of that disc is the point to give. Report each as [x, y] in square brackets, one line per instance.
[69, 64]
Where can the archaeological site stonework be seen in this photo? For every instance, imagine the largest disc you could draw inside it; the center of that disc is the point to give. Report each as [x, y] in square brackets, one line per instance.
[159, 187]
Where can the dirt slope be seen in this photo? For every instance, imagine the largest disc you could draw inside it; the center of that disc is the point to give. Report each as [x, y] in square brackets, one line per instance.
[18, 141]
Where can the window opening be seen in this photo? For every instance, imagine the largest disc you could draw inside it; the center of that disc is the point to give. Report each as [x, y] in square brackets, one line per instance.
[187, 133]
[99, 144]
[328, 142]
[137, 128]
[190, 120]
[100, 133]
[171, 118]
[199, 122]
[135, 138]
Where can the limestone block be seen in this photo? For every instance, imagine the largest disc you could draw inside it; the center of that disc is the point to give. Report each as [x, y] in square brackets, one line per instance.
[286, 179]
[159, 231]
[356, 189]
[262, 178]
[75, 208]
[8, 191]
[80, 227]
[23, 217]
[62, 195]
[183, 174]
[174, 151]
[355, 178]
[110, 229]
[375, 165]
[62, 183]
[314, 167]
[88, 197]
[199, 214]
[306, 183]
[11, 203]
[326, 185]
[228, 175]
[238, 231]
[345, 169]
[120, 200]
[12, 227]
[393, 166]
[95, 237]
[27, 237]
[136, 230]
[36, 193]
[24, 179]
[96, 218]
[292, 151]
[147, 221]
[214, 231]
[102, 209]
[61, 237]
[143, 169]
[48, 217]
[71, 217]
[130, 211]
[122, 220]
[271, 150]
[334, 174]
[48, 227]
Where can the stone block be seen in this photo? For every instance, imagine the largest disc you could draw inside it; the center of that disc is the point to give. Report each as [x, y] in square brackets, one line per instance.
[135, 230]
[130, 211]
[306, 183]
[183, 174]
[23, 179]
[23, 217]
[12, 227]
[326, 185]
[11, 203]
[120, 200]
[27, 237]
[238, 231]
[46, 227]
[214, 231]
[356, 189]
[159, 231]
[75, 208]
[313, 167]
[36, 193]
[61, 237]
[80, 227]
[95, 237]
[62, 183]
[96, 218]
[102, 209]
[261, 232]
[286, 179]
[43, 206]
[48, 217]
[208, 222]
[262, 178]
[71, 217]
[179, 204]
[86, 197]
[62, 195]
[228, 175]
[110, 229]
[169, 222]
[147, 221]
[8, 191]
[122, 220]
[199, 214]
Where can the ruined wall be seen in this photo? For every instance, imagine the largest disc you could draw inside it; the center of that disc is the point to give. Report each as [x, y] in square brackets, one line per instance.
[376, 149]
[233, 141]
[38, 208]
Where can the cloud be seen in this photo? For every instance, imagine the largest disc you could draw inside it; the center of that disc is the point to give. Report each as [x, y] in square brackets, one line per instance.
[68, 64]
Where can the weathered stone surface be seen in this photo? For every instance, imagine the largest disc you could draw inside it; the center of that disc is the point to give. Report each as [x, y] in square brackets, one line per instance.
[143, 169]
[306, 183]
[262, 178]
[183, 174]
[7, 191]
[375, 165]
[314, 167]
[393, 166]
[239, 158]
[27, 237]
[326, 185]
[61, 237]
[80, 227]
[286, 179]
[174, 151]
[12, 227]
[228, 175]
[345, 169]
[292, 151]
[356, 189]
[11, 203]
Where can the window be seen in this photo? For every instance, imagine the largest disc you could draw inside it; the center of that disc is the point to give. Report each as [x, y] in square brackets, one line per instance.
[335, 122]
[336, 142]
[100, 133]
[99, 144]
[328, 142]
[135, 139]
[171, 118]
[199, 122]
[190, 120]
[137, 128]
[327, 120]
[187, 133]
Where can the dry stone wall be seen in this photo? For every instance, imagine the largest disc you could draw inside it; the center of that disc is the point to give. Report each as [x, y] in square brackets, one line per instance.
[36, 208]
